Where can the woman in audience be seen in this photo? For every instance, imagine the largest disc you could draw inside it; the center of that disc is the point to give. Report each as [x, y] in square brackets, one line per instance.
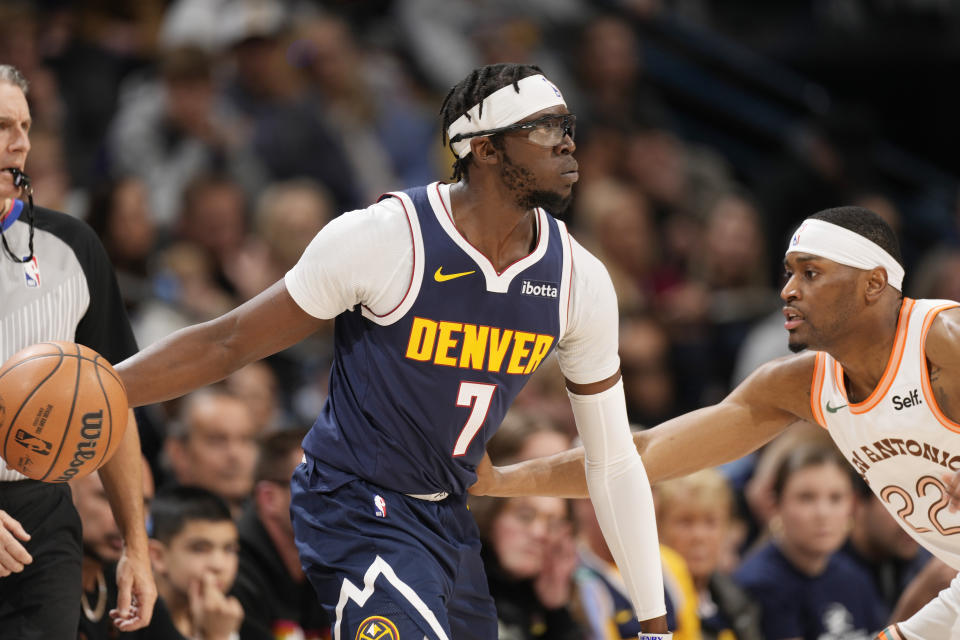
[694, 518]
[528, 547]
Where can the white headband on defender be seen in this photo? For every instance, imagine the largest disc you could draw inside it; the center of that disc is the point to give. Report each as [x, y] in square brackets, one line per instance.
[833, 242]
[503, 107]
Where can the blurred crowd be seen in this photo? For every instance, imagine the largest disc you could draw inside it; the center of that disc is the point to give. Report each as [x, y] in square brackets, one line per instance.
[207, 141]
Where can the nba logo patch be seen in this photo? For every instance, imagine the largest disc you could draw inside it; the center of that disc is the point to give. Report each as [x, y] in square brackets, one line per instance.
[31, 270]
[796, 237]
[381, 506]
[377, 628]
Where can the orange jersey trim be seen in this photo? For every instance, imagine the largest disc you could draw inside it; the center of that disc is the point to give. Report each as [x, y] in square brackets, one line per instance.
[925, 370]
[893, 364]
[816, 388]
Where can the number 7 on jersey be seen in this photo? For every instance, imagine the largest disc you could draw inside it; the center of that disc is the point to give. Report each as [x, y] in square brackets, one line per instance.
[478, 396]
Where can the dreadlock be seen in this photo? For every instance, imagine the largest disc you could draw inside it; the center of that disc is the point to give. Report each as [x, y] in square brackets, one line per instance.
[471, 91]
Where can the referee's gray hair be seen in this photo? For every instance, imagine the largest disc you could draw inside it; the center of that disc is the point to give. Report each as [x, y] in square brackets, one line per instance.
[11, 75]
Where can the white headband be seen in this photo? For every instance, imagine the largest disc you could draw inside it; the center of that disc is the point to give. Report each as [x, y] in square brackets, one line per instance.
[503, 107]
[833, 242]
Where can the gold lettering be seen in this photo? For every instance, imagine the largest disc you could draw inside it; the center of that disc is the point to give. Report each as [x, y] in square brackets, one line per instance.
[445, 342]
[499, 343]
[474, 346]
[422, 335]
[540, 349]
[520, 350]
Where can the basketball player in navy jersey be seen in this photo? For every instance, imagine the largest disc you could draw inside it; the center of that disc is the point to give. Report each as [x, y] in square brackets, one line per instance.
[446, 298]
[879, 371]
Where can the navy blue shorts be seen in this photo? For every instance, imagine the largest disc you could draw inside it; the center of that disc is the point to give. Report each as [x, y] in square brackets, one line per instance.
[387, 566]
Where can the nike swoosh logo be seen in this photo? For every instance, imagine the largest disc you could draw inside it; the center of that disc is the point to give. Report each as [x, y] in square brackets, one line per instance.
[834, 409]
[443, 277]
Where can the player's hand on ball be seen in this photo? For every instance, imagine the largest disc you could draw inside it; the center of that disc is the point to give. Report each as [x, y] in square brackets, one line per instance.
[215, 616]
[13, 555]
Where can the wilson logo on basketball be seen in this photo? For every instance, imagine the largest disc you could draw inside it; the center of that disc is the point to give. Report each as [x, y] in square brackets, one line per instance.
[86, 448]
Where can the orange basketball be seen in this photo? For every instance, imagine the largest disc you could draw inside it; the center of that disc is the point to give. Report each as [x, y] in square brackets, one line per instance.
[63, 411]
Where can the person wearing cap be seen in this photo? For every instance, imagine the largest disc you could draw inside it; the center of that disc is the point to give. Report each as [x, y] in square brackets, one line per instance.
[876, 369]
[446, 298]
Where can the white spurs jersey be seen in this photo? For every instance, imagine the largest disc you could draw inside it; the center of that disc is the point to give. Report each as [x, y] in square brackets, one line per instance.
[898, 439]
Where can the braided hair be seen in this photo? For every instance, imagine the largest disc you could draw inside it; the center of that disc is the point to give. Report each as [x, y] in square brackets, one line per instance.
[471, 91]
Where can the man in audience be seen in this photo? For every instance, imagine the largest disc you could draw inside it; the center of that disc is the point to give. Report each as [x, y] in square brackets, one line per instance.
[213, 446]
[277, 600]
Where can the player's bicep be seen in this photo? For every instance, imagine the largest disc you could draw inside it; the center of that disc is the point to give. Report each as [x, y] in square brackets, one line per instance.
[588, 351]
[361, 257]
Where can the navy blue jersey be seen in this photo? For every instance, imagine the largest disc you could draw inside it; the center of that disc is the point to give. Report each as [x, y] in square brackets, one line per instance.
[413, 399]
[840, 603]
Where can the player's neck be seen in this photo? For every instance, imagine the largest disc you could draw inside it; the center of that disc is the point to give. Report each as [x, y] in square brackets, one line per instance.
[493, 223]
[866, 352]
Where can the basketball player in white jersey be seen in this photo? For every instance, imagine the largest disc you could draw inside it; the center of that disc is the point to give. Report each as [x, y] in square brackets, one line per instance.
[879, 371]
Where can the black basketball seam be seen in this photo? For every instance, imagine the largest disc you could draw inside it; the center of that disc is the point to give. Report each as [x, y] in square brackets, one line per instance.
[106, 400]
[73, 405]
[27, 399]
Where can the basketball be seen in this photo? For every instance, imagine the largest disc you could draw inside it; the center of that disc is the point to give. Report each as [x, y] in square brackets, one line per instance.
[63, 411]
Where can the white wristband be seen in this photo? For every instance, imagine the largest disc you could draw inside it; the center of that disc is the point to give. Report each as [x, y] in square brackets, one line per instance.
[656, 636]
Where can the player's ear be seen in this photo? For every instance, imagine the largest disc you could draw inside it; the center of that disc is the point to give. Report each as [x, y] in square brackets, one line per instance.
[158, 555]
[484, 152]
[876, 283]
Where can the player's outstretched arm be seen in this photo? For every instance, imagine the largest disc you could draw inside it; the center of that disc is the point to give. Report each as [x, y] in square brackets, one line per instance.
[123, 484]
[205, 353]
[621, 496]
[771, 399]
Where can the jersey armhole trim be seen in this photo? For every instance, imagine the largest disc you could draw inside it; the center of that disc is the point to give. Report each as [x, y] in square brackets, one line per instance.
[925, 369]
[566, 279]
[816, 388]
[416, 273]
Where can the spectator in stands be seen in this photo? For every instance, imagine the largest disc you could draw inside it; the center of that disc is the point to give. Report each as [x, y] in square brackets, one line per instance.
[120, 213]
[369, 104]
[287, 123]
[805, 589]
[101, 551]
[648, 378]
[213, 445]
[694, 518]
[277, 599]
[286, 217]
[603, 598]
[880, 546]
[528, 548]
[609, 66]
[169, 130]
[193, 547]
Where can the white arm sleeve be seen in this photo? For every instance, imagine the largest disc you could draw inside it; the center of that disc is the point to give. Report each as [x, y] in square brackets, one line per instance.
[361, 257]
[939, 618]
[588, 350]
[621, 496]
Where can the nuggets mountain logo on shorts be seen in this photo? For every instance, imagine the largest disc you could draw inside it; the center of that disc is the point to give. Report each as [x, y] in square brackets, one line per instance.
[539, 289]
[377, 628]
